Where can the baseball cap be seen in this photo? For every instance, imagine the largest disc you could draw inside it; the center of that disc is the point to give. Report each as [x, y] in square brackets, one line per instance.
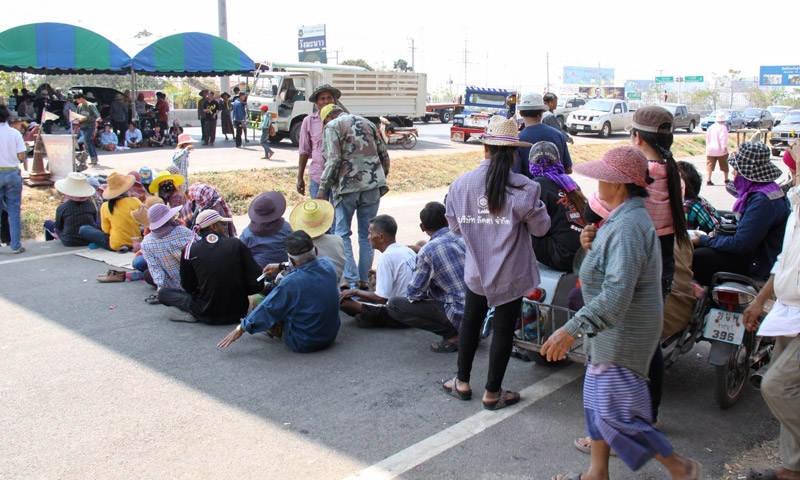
[653, 119]
[298, 243]
[531, 101]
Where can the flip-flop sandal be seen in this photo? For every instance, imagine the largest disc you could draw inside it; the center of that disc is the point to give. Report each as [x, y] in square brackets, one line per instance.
[502, 402]
[454, 391]
[588, 448]
[568, 476]
[444, 346]
[698, 468]
[153, 299]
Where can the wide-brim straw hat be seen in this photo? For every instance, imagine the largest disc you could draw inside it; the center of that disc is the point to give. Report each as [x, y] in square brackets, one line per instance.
[163, 176]
[314, 217]
[75, 185]
[502, 132]
[185, 138]
[159, 214]
[140, 214]
[117, 185]
[752, 161]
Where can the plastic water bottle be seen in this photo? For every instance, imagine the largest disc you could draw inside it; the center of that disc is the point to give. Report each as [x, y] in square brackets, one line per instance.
[353, 287]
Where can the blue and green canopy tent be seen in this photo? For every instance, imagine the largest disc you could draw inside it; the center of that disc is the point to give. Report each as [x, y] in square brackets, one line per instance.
[192, 54]
[58, 48]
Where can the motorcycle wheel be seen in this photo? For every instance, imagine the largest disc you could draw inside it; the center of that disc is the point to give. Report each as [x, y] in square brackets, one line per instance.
[730, 379]
[408, 141]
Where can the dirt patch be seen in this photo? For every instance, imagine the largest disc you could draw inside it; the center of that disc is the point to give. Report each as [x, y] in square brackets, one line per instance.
[766, 455]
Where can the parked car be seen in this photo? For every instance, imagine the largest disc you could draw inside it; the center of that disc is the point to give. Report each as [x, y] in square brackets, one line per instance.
[785, 133]
[734, 122]
[758, 118]
[567, 105]
[778, 112]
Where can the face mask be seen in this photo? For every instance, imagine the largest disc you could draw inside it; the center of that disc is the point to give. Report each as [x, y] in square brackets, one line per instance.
[166, 187]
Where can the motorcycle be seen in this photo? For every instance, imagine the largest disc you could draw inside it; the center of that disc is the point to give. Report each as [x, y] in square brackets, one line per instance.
[406, 137]
[717, 318]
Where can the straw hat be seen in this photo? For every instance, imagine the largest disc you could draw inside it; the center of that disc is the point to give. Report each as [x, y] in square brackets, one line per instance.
[209, 217]
[75, 185]
[162, 176]
[314, 217]
[117, 185]
[502, 132]
[159, 214]
[140, 214]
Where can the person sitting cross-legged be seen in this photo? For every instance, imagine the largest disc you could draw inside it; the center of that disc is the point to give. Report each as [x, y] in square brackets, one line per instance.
[163, 246]
[306, 322]
[217, 274]
[435, 297]
[394, 271]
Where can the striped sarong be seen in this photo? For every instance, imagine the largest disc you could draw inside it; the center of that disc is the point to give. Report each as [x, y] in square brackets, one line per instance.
[616, 403]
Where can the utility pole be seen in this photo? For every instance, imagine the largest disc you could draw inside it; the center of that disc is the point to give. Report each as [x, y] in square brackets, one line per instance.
[548, 70]
[222, 9]
[413, 50]
[466, 61]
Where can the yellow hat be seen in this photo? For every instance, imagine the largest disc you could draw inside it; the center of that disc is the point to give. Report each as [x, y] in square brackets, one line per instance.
[315, 217]
[326, 110]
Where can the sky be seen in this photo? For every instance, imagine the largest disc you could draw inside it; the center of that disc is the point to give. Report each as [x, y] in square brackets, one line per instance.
[501, 44]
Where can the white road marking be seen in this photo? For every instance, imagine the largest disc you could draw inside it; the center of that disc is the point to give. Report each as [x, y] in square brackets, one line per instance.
[31, 258]
[432, 446]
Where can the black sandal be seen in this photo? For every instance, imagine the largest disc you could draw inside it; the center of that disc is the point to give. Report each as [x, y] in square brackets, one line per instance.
[444, 346]
[502, 402]
[454, 391]
[153, 299]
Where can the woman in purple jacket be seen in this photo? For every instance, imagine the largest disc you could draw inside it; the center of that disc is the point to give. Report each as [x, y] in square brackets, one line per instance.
[496, 211]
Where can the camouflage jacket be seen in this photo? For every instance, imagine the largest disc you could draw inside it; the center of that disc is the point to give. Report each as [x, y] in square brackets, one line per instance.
[356, 158]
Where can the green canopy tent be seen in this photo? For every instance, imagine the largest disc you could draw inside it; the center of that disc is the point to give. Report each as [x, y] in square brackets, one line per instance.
[192, 54]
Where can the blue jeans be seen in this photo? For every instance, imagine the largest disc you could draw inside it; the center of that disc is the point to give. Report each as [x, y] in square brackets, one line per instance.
[365, 206]
[313, 190]
[139, 263]
[88, 138]
[11, 198]
[95, 235]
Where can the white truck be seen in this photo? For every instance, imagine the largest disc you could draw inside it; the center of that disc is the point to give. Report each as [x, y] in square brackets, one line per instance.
[285, 88]
[601, 116]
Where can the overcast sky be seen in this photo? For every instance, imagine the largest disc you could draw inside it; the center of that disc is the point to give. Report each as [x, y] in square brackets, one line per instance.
[493, 44]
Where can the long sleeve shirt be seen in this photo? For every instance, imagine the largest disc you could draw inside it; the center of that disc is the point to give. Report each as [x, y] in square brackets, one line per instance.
[163, 256]
[133, 136]
[500, 264]
[108, 138]
[311, 145]
[238, 114]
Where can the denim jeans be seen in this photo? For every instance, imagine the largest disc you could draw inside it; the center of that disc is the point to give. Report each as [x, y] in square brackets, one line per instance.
[88, 138]
[365, 206]
[11, 198]
[95, 235]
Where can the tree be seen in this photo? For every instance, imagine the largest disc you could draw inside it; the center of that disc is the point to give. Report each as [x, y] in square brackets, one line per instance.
[358, 63]
[143, 34]
[757, 98]
[10, 80]
[402, 66]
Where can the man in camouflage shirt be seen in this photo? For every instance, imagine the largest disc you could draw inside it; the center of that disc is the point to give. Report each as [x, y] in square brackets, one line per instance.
[356, 166]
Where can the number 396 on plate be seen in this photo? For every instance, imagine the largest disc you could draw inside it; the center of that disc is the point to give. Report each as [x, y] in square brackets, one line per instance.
[724, 326]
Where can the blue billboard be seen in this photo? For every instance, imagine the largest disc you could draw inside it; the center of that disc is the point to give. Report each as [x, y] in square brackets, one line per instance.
[588, 76]
[639, 86]
[780, 76]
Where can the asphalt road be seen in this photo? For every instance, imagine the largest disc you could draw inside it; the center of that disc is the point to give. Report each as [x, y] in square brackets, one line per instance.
[96, 383]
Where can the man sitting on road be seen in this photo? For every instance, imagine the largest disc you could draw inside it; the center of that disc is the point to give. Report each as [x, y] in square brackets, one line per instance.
[435, 297]
[303, 310]
[133, 136]
[217, 274]
[394, 271]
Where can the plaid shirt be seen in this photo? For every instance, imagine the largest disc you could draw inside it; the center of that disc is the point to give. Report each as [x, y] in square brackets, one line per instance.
[439, 274]
[181, 160]
[700, 215]
[163, 256]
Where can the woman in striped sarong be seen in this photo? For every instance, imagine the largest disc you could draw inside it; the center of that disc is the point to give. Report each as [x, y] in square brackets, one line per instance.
[621, 321]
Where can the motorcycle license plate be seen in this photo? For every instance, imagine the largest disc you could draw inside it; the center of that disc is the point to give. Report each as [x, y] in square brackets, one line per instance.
[724, 326]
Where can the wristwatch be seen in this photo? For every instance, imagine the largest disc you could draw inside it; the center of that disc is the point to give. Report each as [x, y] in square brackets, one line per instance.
[239, 328]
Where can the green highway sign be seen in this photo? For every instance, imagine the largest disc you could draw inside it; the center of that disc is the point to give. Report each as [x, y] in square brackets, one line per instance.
[634, 96]
[698, 78]
[665, 79]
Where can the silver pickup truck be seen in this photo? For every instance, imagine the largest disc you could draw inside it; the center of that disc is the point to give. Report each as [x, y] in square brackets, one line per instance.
[601, 116]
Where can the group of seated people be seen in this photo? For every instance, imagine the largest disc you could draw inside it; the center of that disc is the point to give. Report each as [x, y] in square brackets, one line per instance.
[188, 248]
[108, 140]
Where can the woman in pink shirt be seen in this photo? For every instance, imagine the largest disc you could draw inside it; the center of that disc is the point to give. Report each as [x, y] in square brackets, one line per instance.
[717, 146]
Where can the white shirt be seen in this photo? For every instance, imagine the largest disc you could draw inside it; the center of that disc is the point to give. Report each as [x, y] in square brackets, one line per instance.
[784, 318]
[394, 271]
[11, 144]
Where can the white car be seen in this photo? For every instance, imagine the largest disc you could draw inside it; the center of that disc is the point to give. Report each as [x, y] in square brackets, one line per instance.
[778, 112]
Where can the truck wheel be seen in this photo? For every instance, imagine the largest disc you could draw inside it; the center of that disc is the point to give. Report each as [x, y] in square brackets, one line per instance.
[294, 134]
[690, 128]
[605, 132]
[426, 119]
[445, 115]
[275, 139]
[560, 121]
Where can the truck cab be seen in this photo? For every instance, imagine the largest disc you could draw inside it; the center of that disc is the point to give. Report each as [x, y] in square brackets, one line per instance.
[286, 95]
[480, 104]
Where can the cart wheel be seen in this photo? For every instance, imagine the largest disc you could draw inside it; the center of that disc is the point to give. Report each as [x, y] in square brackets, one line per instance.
[409, 141]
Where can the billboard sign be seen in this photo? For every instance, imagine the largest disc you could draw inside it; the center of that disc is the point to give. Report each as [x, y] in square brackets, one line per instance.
[780, 76]
[588, 76]
[311, 37]
[617, 93]
[639, 86]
